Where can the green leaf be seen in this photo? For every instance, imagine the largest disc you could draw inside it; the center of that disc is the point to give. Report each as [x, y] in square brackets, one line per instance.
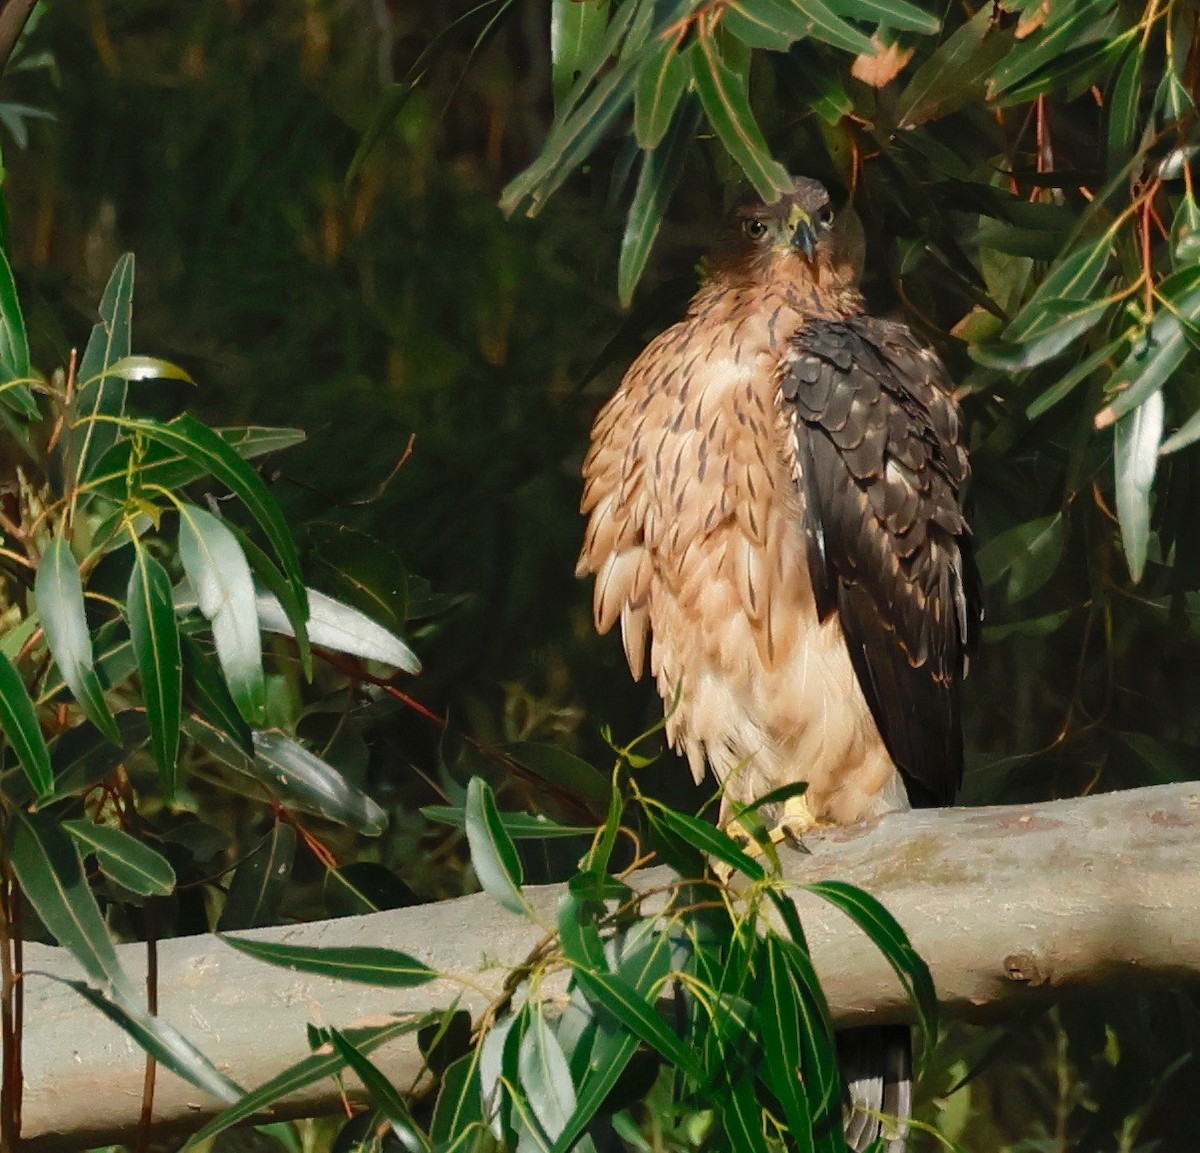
[155, 635]
[1136, 439]
[493, 855]
[519, 826]
[307, 1072]
[1072, 278]
[124, 858]
[303, 777]
[277, 585]
[162, 1041]
[561, 769]
[136, 464]
[609, 1059]
[201, 445]
[59, 592]
[340, 628]
[260, 882]
[725, 98]
[88, 436]
[205, 687]
[892, 941]
[46, 863]
[781, 1017]
[1065, 384]
[639, 1017]
[661, 169]
[459, 1108]
[741, 1114]
[15, 369]
[1027, 554]
[580, 938]
[1123, 107]
[136, 368]
[1065, 321]
[898, 15]
[220, 574]
[957, 72]
[384, 1095]
[660, 85]
[712, 841]
[1154, 360]
[363, 964]
[545, 1077]
[822, 1081]
[577, 30]
[812, 18]
[757, 25]
[1068, 27]
[20, 726]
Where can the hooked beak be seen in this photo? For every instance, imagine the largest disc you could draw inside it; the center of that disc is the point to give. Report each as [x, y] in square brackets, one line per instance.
[804, 236]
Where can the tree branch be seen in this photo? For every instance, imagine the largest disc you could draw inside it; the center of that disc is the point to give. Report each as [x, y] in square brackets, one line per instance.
[1010, 906]
[14, 14]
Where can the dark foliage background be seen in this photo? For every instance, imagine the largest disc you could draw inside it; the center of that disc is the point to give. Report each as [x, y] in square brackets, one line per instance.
[214, 138]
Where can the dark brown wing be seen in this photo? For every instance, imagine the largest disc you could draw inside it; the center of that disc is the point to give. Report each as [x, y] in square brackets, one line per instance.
[881, 471]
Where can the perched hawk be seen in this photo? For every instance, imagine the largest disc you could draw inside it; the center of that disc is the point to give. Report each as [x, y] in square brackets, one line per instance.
[774, 500]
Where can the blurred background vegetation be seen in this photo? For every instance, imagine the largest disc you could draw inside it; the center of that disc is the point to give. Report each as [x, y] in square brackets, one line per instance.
[400, 309]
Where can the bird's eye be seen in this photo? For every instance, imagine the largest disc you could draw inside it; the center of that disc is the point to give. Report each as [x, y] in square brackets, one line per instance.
[825, 216]
[755, 229]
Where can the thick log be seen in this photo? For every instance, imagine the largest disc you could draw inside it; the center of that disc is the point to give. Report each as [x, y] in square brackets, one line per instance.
[1010, 906]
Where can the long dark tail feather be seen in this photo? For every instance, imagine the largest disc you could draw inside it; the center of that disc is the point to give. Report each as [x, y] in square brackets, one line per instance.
[877, 1079]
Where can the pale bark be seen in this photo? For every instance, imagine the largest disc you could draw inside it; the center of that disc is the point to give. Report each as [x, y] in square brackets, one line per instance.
[1010, 906]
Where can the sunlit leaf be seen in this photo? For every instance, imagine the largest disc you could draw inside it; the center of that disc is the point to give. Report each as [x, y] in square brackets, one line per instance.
[899, 15]
[892, 941]
[303, 776]
[21, 727]
[661, 83]
[336, 626]
[781, 1017]
[1136, 439]
[162, 1041]
[493, 855]
[155, 635]
[59, 592]
[364, 964]
[519, 826]
[220, 575]
[577, 29]
[709, 840]
[307, 1072]
[201, 445]
[205, 688]
[100, 395]
[128, 861]
[135, 368]
[546, 1077]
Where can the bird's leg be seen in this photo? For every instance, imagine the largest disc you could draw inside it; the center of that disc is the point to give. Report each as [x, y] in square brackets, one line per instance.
[795, 821]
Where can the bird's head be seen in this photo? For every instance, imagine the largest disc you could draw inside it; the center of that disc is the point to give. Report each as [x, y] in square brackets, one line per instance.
[797, 238]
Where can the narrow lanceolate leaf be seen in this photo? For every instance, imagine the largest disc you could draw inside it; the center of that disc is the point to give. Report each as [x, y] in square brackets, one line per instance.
[294, 610]
[577, 30]
[899, 15]
[781, 1018]
[714, 842]
[1136, 440]
[125, 859]
[99, 395]
[296, 774]
[519, 826]
[155, 635]
[200, 444]
[1153, 360]
[458, 1113]
[546, 1077]
[1123, 107]
[364, 964]
[384, 1095]
[59, 592]
[260, 882]
[340, 628]
[638, 1016]
[20, 726]
[220, 574]
[661, 169]
[163, 1042]
[307, 1072]
[610, 1056]
[1072, 278]
[206, 690]
[892, 941]
[15, 369]
[135, 368]
[723, 93]
[493, 854]
[47, 865]
[741, 1114]
[660, 84]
